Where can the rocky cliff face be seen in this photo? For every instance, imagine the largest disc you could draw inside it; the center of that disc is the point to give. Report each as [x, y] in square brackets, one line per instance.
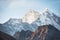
[46, 32]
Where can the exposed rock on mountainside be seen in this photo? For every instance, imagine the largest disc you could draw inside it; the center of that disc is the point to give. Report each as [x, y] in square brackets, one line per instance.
[46, 32]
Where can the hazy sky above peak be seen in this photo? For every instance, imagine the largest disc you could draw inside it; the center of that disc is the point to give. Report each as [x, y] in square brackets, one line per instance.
[18, 8]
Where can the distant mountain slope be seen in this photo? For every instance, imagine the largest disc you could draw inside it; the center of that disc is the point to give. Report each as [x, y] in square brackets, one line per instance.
[4, 36]
[7, 29]
[46, 32]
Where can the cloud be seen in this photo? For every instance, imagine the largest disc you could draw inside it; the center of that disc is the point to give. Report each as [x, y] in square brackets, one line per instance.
[22, 3]
[15, 4]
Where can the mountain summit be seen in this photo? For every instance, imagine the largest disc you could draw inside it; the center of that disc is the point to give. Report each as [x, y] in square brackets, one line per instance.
[46, 10]
[31, 16]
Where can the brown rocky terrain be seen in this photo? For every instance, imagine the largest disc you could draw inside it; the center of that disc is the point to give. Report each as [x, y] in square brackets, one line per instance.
[46, 32]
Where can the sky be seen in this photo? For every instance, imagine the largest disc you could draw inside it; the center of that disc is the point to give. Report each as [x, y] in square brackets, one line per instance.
[18, 8]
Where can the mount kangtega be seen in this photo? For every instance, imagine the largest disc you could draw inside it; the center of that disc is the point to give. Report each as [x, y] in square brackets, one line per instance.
[34, 26]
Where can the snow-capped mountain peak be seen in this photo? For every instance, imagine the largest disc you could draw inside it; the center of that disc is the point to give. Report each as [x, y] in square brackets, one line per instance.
[31, 16]
[47, 17]
[46, 10]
